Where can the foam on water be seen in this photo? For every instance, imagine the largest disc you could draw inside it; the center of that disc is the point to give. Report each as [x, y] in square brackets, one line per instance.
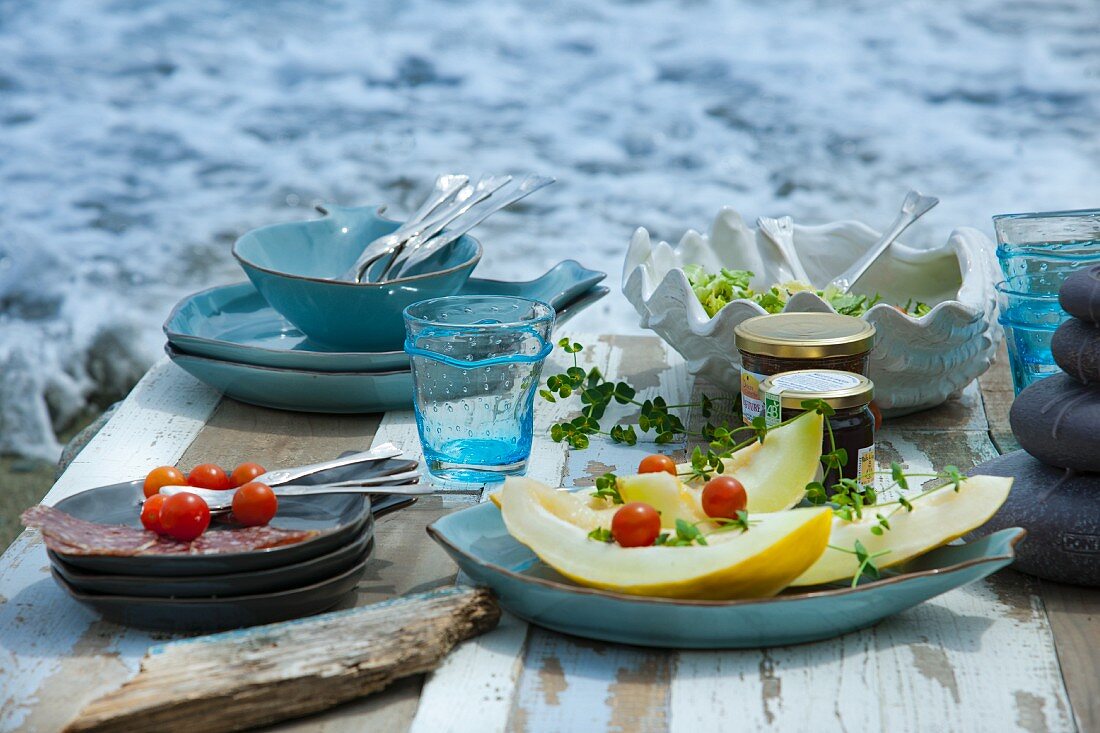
[138, 139]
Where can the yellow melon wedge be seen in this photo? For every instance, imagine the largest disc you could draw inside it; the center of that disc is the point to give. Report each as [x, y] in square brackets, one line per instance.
[775, 472]
[757, 563]
[936, 519]
[665, 493]
[575, 507]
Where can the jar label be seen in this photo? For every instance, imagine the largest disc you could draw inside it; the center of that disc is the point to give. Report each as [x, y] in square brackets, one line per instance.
[752, 400]
[773, 409]
[865, 462]
[815, 381]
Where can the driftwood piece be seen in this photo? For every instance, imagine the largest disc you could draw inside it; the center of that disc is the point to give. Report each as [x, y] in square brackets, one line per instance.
[241, 679]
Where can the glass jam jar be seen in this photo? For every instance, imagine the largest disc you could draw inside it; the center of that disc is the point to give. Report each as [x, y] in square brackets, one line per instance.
[785, 342]
[853, 424]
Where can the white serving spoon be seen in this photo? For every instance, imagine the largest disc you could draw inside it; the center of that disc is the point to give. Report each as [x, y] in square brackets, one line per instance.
[914, 207]
[780, 232]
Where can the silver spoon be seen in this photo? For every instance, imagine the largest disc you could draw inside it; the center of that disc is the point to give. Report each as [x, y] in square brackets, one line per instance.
[222, 501]
[484, 188]
[427, 247]
[781, 233]
[381, 452]
[914, 207]
[445, 188]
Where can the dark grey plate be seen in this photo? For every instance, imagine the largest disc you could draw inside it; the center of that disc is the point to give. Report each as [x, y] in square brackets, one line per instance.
[338, 516]
[271, 580]
[217, 614]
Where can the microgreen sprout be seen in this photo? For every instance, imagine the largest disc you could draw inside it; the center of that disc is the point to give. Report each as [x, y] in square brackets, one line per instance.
[607, 488]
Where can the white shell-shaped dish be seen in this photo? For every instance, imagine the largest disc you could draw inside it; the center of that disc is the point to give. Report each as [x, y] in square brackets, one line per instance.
[916, 363]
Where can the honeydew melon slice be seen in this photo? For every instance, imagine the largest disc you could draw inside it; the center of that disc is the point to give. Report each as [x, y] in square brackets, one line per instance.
[665, 493]
[936, 519]
[756, 563]
[775, 472]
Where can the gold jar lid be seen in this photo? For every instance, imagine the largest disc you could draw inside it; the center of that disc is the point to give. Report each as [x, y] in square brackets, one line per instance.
[838, 389]
[804, 335]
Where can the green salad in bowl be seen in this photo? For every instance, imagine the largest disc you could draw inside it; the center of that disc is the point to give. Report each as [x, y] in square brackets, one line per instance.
[716, 289]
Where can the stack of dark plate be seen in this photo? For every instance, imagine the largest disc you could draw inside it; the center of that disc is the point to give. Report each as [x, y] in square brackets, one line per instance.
[230, 590]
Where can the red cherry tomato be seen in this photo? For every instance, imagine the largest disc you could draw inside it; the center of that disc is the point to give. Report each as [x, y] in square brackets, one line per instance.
[723, 497]
[246, 472]
[208, 476]
[184, 516]
[657, 463]
[150, 513]
[254, 504]
[163, 476]
[636, 525]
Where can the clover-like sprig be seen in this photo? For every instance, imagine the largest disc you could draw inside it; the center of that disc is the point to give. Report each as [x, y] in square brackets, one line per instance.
[597, 393]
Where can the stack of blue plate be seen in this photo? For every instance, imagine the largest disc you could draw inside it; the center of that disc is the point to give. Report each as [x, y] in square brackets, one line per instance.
[295, 338]
[232, 339]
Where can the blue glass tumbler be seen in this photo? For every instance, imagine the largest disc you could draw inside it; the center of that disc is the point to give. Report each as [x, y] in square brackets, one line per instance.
[1053, 244]
[476, 362]
[1030, 314]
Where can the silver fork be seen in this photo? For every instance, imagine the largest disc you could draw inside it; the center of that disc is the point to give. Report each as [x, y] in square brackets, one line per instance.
[484, 188]
[445, 188]
[410, 256]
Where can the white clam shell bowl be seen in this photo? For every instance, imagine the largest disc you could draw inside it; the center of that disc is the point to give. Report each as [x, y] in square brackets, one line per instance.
[916, 363]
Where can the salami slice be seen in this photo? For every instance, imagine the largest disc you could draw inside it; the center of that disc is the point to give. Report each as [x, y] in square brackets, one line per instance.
[68, 535]
[247, 538]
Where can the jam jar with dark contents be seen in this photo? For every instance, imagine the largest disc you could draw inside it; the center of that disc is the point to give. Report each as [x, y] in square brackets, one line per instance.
[853, 424]
[784, 342]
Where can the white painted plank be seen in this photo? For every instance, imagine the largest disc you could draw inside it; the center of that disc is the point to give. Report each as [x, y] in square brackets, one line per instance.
[48, 639]
[479, 675]
[568, 684]
[485, 669]
[978, 658]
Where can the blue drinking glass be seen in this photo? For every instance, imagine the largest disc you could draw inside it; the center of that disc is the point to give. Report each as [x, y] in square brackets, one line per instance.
[1030, 314]
[476, 361]
[1056, 243]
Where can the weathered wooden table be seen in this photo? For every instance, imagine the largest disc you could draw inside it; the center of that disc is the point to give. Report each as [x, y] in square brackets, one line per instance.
[1010, 653]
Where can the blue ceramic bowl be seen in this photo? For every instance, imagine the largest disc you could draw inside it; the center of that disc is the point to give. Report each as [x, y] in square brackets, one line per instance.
[289, 264]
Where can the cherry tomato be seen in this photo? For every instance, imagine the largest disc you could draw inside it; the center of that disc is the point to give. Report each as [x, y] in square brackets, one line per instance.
[163, 476]
[208, 476]
[184, 516]
[723, 497]
[150, 513]
[636, 525]
[657, 463]
[246, 472]
[254, 504]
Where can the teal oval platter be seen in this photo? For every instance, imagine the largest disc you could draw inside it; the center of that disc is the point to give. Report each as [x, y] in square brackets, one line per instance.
[477, 540]
[301, 390]
[235, 323]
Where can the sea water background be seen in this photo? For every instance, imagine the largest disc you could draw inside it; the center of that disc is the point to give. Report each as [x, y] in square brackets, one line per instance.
[138, 139]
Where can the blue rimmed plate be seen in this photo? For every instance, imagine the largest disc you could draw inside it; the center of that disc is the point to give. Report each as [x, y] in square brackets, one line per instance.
[235, 323]
[477, 540]
[301, 390]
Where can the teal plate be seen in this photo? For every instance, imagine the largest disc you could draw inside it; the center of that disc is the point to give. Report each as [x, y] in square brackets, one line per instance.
[301, 390]
[235, 323]
[477, 540]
